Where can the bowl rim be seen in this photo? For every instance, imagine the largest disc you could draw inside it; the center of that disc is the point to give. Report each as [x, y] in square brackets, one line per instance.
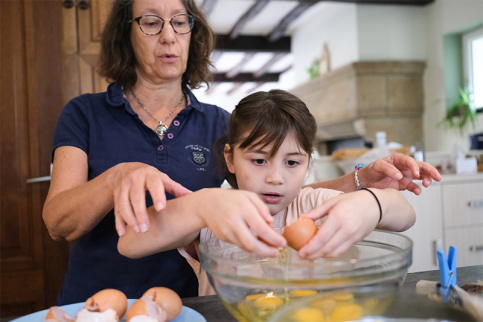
[335, 262]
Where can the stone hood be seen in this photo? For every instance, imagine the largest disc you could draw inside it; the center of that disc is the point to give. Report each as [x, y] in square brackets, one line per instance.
[365, 97]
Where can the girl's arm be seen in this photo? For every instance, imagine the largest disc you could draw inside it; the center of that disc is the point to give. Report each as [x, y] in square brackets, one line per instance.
[232, 215]
[352, 216]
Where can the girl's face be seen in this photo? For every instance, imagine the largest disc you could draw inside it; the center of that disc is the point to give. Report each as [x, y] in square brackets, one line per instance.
[277, 180]
[162, 57]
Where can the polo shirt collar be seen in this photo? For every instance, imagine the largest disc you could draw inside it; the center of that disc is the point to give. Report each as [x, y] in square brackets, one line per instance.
[115, 97]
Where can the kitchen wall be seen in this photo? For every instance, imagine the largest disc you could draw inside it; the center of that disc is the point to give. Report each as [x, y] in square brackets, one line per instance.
[381, 32]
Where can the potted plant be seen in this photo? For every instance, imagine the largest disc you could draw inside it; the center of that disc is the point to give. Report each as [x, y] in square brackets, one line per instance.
[460, 112]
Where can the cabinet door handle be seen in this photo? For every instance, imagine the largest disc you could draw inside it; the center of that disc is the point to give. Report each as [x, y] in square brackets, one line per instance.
[476, 248]
[475, 204]
[83, 5]
[38, 179]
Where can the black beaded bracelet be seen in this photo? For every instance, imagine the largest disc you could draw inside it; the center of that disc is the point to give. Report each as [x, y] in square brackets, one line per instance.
[378, 203]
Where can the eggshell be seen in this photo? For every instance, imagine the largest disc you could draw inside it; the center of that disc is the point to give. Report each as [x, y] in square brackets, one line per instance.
[300, 232]
[145, 306]
[58, 314]
[107, 299]
[167, 299]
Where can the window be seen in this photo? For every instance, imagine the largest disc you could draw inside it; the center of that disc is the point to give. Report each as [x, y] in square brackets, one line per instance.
[473, 65]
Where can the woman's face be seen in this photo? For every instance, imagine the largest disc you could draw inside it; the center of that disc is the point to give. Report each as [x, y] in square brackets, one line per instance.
[162, 57]
[276, 180]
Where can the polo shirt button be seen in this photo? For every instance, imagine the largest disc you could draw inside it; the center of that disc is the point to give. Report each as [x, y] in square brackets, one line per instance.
[160, 148]
[176, 123]
[170, 135]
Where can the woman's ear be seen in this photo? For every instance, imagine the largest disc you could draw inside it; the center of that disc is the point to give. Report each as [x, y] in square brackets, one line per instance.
[228, 153]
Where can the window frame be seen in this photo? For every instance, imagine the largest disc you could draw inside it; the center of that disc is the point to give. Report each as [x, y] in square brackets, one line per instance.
[468, 69]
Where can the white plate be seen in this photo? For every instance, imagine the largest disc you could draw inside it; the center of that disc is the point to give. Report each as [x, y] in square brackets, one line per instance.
[186, 315]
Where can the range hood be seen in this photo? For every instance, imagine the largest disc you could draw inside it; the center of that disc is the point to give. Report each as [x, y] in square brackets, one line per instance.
[363, 98]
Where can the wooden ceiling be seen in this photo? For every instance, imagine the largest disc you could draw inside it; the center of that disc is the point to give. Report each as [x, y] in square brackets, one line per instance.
[275, 42]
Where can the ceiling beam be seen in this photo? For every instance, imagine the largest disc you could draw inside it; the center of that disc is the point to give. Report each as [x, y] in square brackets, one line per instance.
[238, 67]
[278, 31]
[257, 44]
[246, 77]
[388, 2]
[275, 58]
[208, 6]
[247, 16]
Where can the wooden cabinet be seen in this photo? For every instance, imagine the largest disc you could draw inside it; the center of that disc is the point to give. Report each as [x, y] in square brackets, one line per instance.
[449, 213]
[32, 265]
[427, 232]
[48, 56]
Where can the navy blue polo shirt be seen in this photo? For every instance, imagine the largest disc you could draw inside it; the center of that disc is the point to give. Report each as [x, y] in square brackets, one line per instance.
[107, 129]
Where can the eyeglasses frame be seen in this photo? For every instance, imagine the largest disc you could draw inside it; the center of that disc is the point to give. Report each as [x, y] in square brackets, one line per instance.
[138, 19]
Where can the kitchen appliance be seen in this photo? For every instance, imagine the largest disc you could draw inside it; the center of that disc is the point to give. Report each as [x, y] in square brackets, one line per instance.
[476, 141]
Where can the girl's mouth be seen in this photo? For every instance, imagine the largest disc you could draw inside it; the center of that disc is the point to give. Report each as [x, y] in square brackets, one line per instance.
[271, 198]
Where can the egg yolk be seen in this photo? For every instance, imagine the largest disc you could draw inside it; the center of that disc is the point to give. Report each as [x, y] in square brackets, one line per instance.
[309, 315]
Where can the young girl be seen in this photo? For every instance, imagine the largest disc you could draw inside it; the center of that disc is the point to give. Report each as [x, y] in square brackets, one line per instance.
[267, 152]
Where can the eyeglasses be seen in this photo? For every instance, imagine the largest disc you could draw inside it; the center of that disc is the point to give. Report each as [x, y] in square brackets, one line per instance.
[153, 25]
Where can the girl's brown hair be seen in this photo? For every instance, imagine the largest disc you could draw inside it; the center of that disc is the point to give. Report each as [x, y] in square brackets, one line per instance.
[268, 117]
[117, 60]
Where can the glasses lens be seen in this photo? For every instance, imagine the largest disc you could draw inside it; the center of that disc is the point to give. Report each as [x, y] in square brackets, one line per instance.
[151, 25]
[182, 24]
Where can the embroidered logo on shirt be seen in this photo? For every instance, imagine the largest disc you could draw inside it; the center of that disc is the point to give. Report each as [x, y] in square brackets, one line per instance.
[198, 157]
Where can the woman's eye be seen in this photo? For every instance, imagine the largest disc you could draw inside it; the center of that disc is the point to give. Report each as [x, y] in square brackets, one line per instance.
[292, 163]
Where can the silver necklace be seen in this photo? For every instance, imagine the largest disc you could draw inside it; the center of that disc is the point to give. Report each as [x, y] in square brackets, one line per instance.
[160, 128]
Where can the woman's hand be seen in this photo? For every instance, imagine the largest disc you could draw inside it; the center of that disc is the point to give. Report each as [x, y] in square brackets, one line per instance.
[398, 171]
[129, 184]
[349, 218]
[241, 218]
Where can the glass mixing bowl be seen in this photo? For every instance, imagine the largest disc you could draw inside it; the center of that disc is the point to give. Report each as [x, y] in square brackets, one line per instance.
[253, 288]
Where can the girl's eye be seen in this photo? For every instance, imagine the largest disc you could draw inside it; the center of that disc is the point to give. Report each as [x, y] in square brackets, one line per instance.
[292, 163]
[258, 161]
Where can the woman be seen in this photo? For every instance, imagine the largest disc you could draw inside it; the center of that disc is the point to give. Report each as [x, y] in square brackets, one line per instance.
[148, 132]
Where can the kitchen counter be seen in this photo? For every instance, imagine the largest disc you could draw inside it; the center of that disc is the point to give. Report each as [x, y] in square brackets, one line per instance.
[407, 304]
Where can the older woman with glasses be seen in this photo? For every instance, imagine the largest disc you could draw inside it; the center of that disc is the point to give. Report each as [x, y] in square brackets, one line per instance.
[146, 140]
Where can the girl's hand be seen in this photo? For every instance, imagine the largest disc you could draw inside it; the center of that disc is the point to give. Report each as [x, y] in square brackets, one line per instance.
[241, 218]
[129, 184]
[398, 171]
[350, 217]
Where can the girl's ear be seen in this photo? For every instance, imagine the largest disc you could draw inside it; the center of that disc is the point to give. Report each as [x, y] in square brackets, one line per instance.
[228, 153]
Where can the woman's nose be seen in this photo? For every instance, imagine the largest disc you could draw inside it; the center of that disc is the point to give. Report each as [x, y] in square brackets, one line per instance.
[168, 34]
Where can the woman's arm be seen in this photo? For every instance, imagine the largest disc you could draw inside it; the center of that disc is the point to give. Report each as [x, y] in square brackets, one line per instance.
[232, 215]
[396, 171]
[352, 216]
[74, 206]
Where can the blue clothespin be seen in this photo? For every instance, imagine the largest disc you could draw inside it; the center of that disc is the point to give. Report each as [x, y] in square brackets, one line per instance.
[447, 271]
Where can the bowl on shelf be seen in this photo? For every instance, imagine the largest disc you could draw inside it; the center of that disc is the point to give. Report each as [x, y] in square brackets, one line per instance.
[253, 288]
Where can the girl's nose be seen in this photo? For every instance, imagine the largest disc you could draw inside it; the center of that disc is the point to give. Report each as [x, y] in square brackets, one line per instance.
[274, 177]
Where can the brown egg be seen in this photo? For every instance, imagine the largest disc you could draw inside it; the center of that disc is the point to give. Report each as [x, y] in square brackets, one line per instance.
[146, 306]
[167, 299]
[57, 314]
[300, 232]
[107, 299]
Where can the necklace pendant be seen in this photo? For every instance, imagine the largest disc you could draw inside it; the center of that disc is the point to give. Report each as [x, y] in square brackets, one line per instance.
[161, 129]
